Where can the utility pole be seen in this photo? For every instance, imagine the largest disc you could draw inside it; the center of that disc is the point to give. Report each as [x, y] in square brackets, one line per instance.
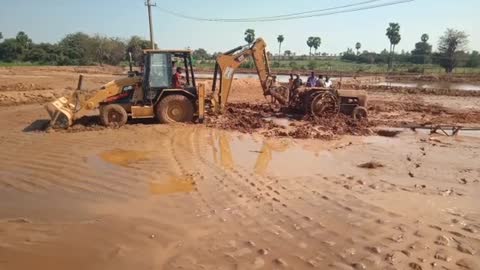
[149, 5]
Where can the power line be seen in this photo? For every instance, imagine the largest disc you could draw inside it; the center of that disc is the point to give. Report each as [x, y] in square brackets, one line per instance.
[292, 16]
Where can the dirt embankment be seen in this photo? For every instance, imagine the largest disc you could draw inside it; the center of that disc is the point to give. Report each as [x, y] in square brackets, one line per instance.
[27, 85]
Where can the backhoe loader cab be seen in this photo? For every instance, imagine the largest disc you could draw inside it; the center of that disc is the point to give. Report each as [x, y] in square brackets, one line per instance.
[157, 96]
[146, 94]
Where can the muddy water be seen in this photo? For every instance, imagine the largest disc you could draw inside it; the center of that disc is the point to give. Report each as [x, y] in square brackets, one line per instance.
[173, 184]
[187, 197]
[268, 156]
[433, 85]
[123, 157]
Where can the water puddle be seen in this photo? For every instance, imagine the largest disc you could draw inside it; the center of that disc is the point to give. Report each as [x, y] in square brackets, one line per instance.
[278, 157]
[174, 184]
[124, 158]
[433, 85]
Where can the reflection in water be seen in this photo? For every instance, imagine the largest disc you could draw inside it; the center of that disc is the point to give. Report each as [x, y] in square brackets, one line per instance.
[244, 151]
[226, 151]
[247, 154]
[265, 155]
[221, 139]
[173, 185]
[124, 157]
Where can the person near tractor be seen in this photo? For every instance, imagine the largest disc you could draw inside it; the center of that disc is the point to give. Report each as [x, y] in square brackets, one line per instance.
[328, 82]
[312, 80]
[320, 82]
[297, 82]
[178, 79]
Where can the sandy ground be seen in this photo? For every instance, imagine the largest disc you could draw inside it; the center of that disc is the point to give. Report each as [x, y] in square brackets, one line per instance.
[150, 196]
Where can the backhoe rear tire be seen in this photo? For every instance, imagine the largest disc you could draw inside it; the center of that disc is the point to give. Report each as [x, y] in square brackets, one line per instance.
[174, 109]
[113, 115]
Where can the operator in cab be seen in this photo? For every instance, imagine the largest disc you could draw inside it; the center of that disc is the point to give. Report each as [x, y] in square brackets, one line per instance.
[178, 79]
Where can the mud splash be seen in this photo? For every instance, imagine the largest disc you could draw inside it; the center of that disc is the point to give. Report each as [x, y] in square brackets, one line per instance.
[267, 120]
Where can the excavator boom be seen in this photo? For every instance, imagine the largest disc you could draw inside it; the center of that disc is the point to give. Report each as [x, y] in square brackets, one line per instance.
[228, 63]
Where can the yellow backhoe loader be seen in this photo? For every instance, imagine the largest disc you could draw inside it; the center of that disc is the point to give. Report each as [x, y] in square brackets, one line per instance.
[150, 94]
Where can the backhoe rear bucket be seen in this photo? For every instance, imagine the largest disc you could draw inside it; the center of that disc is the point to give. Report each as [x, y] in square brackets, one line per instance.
[61, 113]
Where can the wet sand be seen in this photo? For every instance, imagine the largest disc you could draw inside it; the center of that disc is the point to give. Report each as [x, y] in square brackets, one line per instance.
[190, 197]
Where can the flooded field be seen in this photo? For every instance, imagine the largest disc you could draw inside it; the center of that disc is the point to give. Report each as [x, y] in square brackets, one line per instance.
[189, 197]
[433, 85]
[244, 194]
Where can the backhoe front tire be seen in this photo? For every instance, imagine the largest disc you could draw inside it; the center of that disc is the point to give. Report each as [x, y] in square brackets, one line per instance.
[174, 109]
[113, 115]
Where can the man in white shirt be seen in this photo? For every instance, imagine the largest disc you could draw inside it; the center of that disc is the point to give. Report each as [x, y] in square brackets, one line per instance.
[328, 82]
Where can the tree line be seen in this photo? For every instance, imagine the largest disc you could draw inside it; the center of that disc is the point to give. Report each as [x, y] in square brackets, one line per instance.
[74, 49]
[451, 51]
[82, 49]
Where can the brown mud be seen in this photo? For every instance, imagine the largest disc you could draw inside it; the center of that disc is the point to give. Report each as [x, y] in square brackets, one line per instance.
[243, 194]
[269, 121]
[152, 196]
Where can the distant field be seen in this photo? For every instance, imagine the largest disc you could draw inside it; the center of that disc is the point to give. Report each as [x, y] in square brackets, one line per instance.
[336, 65]
[327, 65]
[18, 64]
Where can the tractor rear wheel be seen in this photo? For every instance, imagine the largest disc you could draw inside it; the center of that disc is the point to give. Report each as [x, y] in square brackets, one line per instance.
[324, 104]
[113, 115]
[174, 108]
[359, 113]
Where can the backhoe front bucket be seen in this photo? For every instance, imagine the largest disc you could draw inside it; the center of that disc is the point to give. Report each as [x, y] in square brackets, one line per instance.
[61, 113]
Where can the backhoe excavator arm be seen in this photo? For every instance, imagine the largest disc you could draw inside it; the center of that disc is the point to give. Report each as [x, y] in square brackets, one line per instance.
[227, 64]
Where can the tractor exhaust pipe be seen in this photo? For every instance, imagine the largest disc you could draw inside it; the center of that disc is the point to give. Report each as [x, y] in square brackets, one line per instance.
[130, 61]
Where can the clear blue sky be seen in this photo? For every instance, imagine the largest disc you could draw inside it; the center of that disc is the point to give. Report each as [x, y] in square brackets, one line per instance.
[50, 20]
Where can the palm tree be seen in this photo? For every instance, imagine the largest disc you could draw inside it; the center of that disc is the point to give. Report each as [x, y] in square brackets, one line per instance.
[317, 41]
[310, 42]
[280, 40]
[425, 38]
[393, 34]
[249, 35]
[358, 46]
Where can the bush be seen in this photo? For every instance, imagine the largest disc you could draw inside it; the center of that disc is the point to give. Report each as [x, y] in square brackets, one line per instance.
[415, 69]
[312, 65]
[247, 64]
